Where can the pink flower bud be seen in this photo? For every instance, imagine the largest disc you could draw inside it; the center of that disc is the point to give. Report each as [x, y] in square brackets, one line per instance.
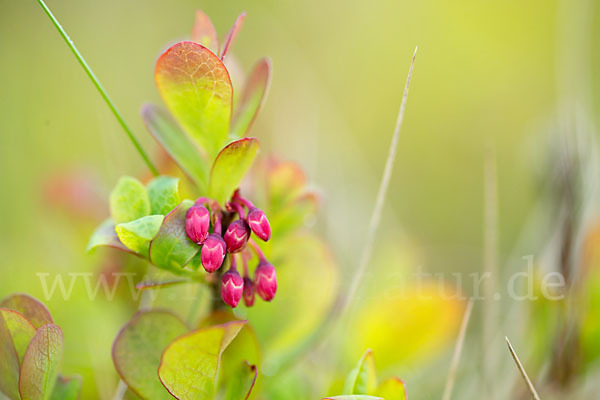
[232, 287]
[236, 235]
[213, 252]
[248, 292]
[258, 222]
[197, 222]
[265, 281]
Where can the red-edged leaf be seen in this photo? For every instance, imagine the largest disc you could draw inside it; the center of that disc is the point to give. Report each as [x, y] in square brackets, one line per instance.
[15, 334]
[138, 347]
[195, 86]
[392, 389]
[253, 97]
[32, 309]
[237, 25]
[204, 32]
[230, 167]
[40, 364]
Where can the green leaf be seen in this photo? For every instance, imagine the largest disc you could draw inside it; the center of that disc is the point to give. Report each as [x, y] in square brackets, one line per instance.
[15, 334]
[363, 378]
[136, 235]
[204, 32]
[171, 249]
[195, 86]
[353, 397]
[229, 168]
[392, 389]
[40, 364]
[66, 388]
[32, 309]
[189, 365]
[137, 349]
[240, 386]
[106, 236]
[163, 193]
[252, 99]
[181, 149]
[129, 200]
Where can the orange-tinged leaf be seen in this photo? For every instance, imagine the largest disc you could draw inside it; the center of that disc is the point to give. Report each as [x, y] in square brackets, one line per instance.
[237, 25]
[32, 309]
[189, 365]
[253, 96]
[40, 363]
[392, 389]
[195, 86]
[230, 167]
[204, 32]
[138, 347]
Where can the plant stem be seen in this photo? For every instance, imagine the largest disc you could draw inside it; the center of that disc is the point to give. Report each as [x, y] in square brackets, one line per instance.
[99, 87]
[457, 352]
[530, 386]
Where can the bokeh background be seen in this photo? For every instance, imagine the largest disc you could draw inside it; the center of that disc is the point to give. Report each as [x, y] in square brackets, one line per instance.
[510, 82]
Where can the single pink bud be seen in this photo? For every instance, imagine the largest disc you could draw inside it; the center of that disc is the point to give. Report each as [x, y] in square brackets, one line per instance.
[248, 292]
[232, 287]
[213, 252]
[197, 222]
[236, 235]
[258, 222]
[265, 281]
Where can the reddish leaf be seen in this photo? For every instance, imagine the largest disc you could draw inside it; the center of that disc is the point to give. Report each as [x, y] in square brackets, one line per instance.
[233, 33]
[196, 87]
[253, 97]
[31, 308]
[204, 32]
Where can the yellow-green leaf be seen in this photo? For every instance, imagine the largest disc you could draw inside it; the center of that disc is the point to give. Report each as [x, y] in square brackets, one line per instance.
[163, 192]
[230, 167]
[137, 349]
[196, 88]
[252, 98]
[189, 365]
[40, 363]
[392, 389]
[363, 378]
[15, 334]
[136, 235]
[129, 200]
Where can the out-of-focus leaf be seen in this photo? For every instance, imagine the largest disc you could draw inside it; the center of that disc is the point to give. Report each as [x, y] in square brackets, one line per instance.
[171, 248]
[421, 316]
[163, 193]
[363, 378]
[285, 182]
[252, 98]
[20, 329]
[66, 388]
[241, 383]
[294, 215]
[129, 200]
[188, 368]
[106, 236]
[130, 395]
[245, 347]
[15, 334]
[179, 147]
[302, 300]
[136, 235]
[237, 25]
[353, 397]
[229, 168]
[137, 349]
[32, 309]
[39, 370]
[196, 88]
[204, 32]
[392, 389]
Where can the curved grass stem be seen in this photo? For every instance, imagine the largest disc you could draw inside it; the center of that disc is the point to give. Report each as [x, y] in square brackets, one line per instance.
[99, 87]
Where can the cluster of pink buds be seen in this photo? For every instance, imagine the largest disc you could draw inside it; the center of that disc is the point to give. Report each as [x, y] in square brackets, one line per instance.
[234, 242]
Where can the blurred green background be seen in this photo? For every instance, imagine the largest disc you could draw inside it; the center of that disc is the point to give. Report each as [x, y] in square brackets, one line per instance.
[503, 74]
